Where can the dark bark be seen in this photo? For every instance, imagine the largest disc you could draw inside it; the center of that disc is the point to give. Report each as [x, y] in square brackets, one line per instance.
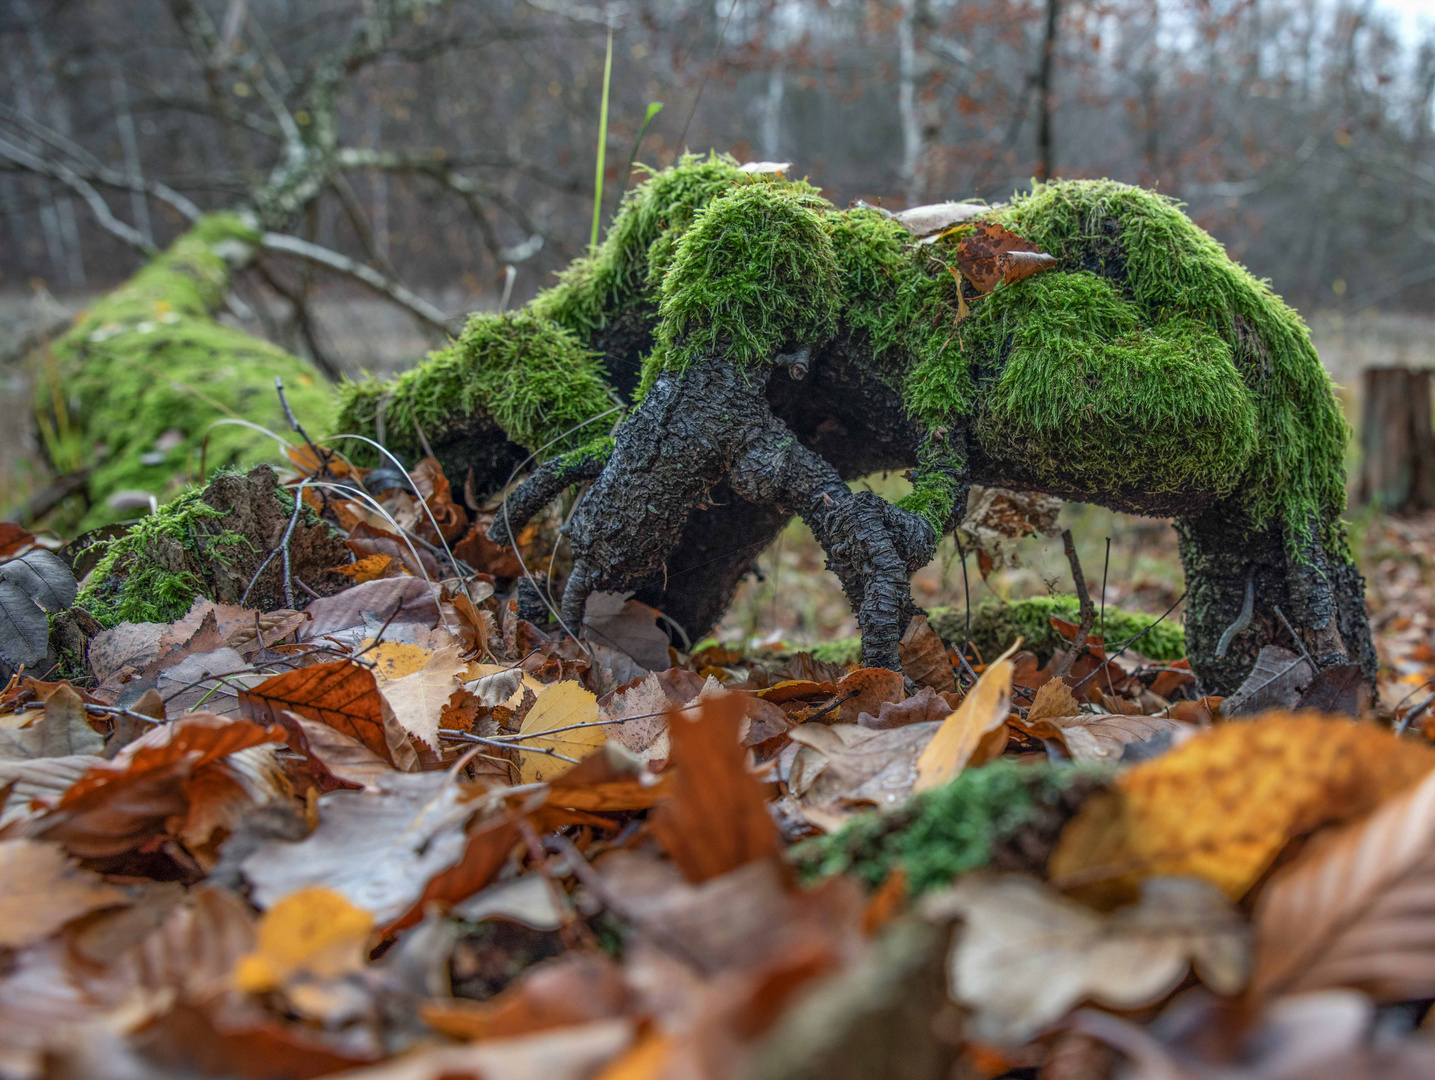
[1397, 466]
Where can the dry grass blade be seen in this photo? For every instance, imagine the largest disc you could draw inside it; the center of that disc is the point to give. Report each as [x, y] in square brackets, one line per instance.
[1357, 909]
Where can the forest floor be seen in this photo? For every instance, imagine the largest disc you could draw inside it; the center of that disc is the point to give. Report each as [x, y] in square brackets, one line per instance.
[402, 833]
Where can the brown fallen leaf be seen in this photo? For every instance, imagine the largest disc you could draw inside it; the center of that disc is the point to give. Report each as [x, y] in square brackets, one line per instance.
[974, 733]
[866, 690]
[853, 765]
[481, 553]
[418, 699]
[1222, 805]
[334, 759]
[576, 988]
[1357, 909]
[1096, 737]
[341, 694]
[41, 889]
[925, 705]
[717, 819]
[631, 627]
[369, 568]
[184, 779]
[377, 849]
[924, 657]
[60, 730]
[1026, 955]
[365, 540]
[992, 254]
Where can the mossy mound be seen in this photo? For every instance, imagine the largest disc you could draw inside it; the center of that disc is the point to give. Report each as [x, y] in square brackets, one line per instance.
[1088, 393]
[1006, 814]
[149, 358]
[210, 543]
[532, 377]
[755, 275]
[638, 246]
[1179, 280]
[995, 625]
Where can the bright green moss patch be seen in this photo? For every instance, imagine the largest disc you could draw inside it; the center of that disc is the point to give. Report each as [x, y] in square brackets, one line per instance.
[142, 575]
[1171, 269]
[534, 378]
[940, 834]
[1089, 394]
[598, 451]
[755, 275]
[996, 625]
[638, 245]
[148, 358]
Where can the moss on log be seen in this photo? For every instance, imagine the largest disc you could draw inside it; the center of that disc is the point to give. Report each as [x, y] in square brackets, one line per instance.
[151, 358]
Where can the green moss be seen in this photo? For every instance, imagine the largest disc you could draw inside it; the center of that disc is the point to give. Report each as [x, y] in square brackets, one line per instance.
[533, 377]
[148, 358]
[942, 833]
[996, 625]
[755, 275]
[598, 450]
[141, 576]
[638, 246]
[1089, 394]
[1176, 275]
[842, 651]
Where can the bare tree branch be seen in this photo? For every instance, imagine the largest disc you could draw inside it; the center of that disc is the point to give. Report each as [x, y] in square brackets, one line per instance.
[70, 179]
[319, 256]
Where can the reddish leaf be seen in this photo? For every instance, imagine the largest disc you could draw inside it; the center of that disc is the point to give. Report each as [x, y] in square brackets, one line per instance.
[484, 555]
[717, 819]
[992, 255]
[340, 694]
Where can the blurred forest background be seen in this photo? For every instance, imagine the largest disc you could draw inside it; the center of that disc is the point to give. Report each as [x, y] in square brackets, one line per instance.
[451, 147]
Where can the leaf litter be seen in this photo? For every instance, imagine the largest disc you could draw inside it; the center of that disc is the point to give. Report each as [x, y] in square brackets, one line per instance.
[406, 832]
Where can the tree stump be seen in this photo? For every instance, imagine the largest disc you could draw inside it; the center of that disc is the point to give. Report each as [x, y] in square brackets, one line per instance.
[1397, 467]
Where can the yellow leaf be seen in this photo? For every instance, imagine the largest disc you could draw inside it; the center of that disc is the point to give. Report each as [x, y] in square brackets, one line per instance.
[370, 568]
[313, 933]
[975, 732]
[417, 699]
[395, 659]
[1223, 804]
[558, 706]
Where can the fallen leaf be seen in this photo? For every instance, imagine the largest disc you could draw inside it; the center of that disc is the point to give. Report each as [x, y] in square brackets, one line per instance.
[924, 657]
[1026, 955]
[339, 693]
[181, 779]
[992, 254]
[1053, 699]
[1356, 910]
[1277, 681]
[369, 568]
[133, 644]
[925, 220]
[561, 705]
[365, 540]
[974, 733]
[640, 717]
[394, 659]
[418, 699]
[853, 764]
[576, 988]
[41, 889]
[1223, 804]
[923, 706]
[866, 690]
[1097, 737]
[631, 627]
[347, 615]
[378, 849]
[60, 731]
[717, 819]
[332, 754]
[305, 946]
[484, 555]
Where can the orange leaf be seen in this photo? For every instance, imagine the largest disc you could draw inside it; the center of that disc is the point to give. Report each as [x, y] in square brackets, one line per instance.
[717, 819]
[340, 694]
[991, 255]
[975, 732]
[369, 568]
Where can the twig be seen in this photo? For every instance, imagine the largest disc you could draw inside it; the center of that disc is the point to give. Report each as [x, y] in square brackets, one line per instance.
[481, 740]
[283, 546]
[320, 455]
[1299, 644]
[1134, 640]
[1088, 610]
[1414, 714]
[1105, 567]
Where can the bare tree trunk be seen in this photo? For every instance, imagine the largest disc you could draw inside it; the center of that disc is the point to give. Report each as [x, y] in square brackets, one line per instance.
[772, 115]
[914, 65]
[1045, 94]
[1397, 468]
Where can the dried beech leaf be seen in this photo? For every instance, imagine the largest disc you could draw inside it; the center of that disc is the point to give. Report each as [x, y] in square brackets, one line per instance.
[418, 699]
[1224, 803]
[340, 694]
[1357, 909]
[1096, 737]
[992, 254]
[975, 732]
[1026, 955]
[717, 819]
[924, 657]
[41, 890]
[559, 706]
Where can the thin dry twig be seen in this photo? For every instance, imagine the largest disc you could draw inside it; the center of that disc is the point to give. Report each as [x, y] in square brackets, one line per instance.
[1088, 609]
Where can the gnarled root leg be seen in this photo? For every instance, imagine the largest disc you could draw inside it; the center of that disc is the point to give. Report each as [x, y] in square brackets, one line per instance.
[711, 423]
[540, 488]
[1321, 595]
